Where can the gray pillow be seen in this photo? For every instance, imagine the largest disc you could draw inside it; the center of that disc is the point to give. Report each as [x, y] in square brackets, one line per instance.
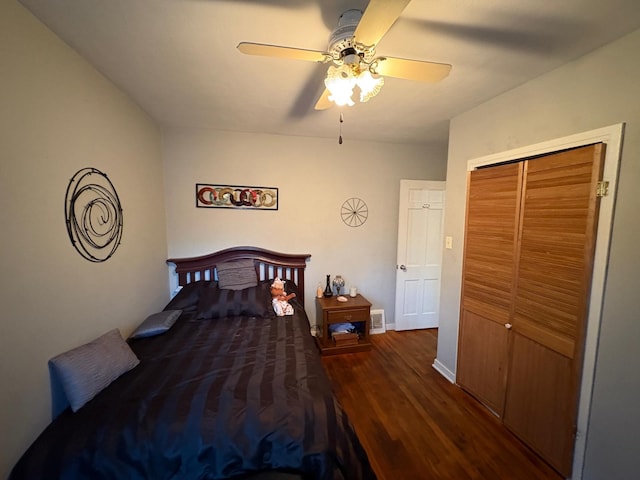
[156, 324]
[219, 303]
[86, 370]
[237, 275]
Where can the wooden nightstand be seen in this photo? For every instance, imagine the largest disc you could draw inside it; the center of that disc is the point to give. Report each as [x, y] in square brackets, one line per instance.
[355, 310]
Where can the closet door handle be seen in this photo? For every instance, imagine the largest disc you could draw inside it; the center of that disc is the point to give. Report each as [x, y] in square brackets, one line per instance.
[403, 268]
[508, 326]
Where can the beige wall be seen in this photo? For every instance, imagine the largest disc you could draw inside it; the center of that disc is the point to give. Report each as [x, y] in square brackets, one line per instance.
[57, 116]
[598, 90]
[314, 177]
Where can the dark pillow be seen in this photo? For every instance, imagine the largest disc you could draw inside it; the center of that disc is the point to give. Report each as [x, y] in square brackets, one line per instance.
[187, 298]
[219, 302]
[156, 324]
[88, 369]
[237, 275]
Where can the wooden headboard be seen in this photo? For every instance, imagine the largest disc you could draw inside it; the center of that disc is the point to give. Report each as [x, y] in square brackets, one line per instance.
[268, 265]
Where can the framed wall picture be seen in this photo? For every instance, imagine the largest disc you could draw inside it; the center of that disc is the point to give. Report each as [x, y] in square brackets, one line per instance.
[236, 196]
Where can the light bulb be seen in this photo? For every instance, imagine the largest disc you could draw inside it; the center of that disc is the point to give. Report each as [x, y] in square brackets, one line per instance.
[340, 82]
[369, 86]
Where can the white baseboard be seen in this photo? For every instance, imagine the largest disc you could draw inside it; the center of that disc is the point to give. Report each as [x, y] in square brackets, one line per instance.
[391, 326]
[444, 371]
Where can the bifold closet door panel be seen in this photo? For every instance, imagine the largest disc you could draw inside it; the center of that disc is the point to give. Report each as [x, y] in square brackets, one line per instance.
[493, 203]
[553, 280]
[539, 401]
[482, 366]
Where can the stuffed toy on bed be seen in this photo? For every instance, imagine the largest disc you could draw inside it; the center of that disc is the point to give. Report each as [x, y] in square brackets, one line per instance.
[280, 299]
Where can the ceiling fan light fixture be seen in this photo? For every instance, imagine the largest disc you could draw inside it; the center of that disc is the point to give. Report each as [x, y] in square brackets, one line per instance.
[369, 85]
[340, 82]
[351, 51]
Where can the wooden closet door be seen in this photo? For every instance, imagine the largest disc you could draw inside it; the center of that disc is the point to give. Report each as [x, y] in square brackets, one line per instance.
[493, 204]
[555, 262]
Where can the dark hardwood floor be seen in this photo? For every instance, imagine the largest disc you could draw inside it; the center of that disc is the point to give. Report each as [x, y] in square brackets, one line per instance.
[414, 424]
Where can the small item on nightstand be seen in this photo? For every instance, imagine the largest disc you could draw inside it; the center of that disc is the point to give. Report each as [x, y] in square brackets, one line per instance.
[327, 290]
[338, 283]
[342, 298]
[353, 292]
[319, 292]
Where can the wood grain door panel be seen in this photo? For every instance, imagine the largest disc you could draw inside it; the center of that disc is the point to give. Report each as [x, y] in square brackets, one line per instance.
[556, 247]
[488, 279]
[540, 385]
[554, 266]
[484, 375]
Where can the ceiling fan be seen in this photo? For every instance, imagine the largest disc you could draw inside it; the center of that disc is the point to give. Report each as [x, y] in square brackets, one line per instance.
[352, 55]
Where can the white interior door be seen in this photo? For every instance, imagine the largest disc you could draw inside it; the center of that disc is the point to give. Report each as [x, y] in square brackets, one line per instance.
[419, 260]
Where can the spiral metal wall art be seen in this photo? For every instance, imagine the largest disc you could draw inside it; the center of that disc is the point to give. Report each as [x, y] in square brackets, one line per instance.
[93, 215]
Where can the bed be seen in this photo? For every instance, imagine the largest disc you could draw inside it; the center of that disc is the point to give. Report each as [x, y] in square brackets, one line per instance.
[241, 394]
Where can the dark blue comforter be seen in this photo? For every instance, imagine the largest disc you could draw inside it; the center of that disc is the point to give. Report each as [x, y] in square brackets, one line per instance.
[211, 399]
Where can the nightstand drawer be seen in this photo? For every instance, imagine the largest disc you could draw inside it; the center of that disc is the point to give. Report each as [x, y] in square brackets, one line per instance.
[344, 316]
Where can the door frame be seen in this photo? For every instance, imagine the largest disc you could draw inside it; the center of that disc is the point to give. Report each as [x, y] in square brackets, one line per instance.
[612, 136]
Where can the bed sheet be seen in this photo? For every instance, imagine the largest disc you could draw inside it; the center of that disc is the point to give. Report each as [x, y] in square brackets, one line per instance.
[211, 399]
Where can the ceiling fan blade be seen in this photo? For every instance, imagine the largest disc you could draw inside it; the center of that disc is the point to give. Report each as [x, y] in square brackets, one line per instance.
[323, 102]
[283, 52]
[377, 20]
[410, 69]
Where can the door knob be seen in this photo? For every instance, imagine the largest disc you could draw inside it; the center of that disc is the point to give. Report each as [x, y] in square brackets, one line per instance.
[403, 268]
[508, 326]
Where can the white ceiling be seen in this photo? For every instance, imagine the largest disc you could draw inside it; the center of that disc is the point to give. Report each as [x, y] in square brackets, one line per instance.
[178, 59]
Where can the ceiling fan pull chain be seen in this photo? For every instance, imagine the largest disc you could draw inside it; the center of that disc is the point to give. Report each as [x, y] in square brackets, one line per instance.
[341, 122]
